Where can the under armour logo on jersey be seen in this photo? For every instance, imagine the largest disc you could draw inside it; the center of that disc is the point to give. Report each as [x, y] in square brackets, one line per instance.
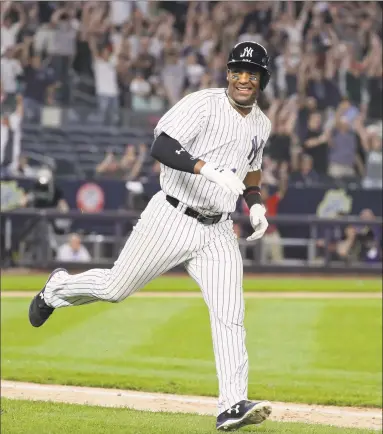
[179, 151]
[236, 409]
[255, 148]
[247, 52]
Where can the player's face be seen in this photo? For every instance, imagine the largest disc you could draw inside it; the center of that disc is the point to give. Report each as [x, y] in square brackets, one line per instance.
[244, 85]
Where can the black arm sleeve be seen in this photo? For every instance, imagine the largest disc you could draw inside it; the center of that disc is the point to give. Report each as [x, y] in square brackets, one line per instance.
[169, 151]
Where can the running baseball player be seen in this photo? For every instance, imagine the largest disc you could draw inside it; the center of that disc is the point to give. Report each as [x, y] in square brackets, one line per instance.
[210, 147]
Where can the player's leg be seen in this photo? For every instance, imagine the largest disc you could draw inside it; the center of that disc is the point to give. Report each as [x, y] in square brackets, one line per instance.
[218, 270]
[161, 239]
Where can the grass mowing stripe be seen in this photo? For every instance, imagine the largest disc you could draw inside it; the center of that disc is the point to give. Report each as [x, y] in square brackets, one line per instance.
[281, 340]
[282, 358]
[43, 336]
[117, 340]
[179, 283]
[331, 347]
[190, 340]
[26, 417]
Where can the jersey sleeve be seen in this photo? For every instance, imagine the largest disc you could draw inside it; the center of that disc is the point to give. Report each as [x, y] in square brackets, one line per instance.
[185, 120]
[260, 142]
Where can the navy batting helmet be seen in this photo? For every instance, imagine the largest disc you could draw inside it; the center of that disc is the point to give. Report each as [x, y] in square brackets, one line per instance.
[253, 56]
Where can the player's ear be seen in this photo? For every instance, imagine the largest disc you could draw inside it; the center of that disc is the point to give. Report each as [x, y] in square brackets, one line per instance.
[227, 74]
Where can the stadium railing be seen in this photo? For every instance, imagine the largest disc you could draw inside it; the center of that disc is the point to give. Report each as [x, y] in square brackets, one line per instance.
[18, 224]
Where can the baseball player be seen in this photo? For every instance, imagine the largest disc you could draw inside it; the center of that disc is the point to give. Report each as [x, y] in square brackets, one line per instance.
[210, 147]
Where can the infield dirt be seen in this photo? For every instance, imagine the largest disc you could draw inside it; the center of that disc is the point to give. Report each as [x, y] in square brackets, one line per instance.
[282, 412]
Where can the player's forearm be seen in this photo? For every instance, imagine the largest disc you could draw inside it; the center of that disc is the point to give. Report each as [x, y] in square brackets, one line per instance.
[169, 152]
[253, 179]
[252, 194]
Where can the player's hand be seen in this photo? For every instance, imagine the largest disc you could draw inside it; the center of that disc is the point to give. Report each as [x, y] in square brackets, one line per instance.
[258, 222]
[225, 178]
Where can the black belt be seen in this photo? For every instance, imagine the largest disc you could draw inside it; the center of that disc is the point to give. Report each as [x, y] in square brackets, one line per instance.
[205, 220]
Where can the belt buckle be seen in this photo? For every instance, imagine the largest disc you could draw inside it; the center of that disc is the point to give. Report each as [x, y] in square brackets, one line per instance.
[201, 218]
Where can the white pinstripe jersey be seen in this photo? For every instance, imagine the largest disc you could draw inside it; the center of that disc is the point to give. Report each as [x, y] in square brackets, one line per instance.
[211, 129]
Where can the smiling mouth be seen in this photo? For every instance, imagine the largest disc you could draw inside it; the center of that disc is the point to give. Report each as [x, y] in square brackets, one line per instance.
[244, 90]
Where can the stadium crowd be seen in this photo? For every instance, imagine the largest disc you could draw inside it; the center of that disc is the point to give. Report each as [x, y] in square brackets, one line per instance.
[324, 99]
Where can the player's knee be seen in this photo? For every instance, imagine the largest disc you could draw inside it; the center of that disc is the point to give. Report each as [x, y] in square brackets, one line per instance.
[117, 288]
[230, 319]
[116, 296]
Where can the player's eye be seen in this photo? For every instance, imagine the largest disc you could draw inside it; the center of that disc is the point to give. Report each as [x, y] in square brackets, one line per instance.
[236, 74]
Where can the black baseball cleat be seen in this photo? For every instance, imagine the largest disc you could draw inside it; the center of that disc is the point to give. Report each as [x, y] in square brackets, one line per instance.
[243, 413]
[39, 311]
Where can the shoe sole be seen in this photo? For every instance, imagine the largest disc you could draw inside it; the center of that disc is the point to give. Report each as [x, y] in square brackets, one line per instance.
[37, 295]
[255, 416]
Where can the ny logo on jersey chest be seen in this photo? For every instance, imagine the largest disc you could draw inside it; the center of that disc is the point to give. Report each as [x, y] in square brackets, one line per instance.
[255, 149]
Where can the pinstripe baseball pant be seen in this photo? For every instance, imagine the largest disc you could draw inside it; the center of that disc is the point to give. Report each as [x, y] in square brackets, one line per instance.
[163, 238]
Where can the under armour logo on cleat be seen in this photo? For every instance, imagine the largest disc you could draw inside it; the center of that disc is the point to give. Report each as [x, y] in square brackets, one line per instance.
[236, 409]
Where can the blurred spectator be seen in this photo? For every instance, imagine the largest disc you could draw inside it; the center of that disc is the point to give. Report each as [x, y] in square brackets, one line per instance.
[144, 61]
[328, 238]
[269, 170]
[272, 241]
[11, 70]
[129, 167]
[140, 92]
[12, 20]
[39, 84]
[374, 69]
[104, 66]
[120, 11]
[316, 143]
[132, 162]
[21, 168]
[306, 176]
[11, 133]
[63, 48]
[73, 251]
[343, 145]
[353, 78]
[369, 238]
[280, 143]
[371, 140]
[194, 73]
[108, 165]
[173, 77]
[306, 106]
[347, 248]
[361, 243]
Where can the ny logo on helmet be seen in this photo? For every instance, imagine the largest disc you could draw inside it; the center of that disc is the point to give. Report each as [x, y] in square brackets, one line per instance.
[248, 52]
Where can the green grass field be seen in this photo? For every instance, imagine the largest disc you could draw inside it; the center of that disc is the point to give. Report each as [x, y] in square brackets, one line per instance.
[176, 283]
[300, 350]
[22, 417]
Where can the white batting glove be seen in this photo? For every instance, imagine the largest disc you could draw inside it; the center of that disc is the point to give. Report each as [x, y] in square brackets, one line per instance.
[258, 222]
[225, 178]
